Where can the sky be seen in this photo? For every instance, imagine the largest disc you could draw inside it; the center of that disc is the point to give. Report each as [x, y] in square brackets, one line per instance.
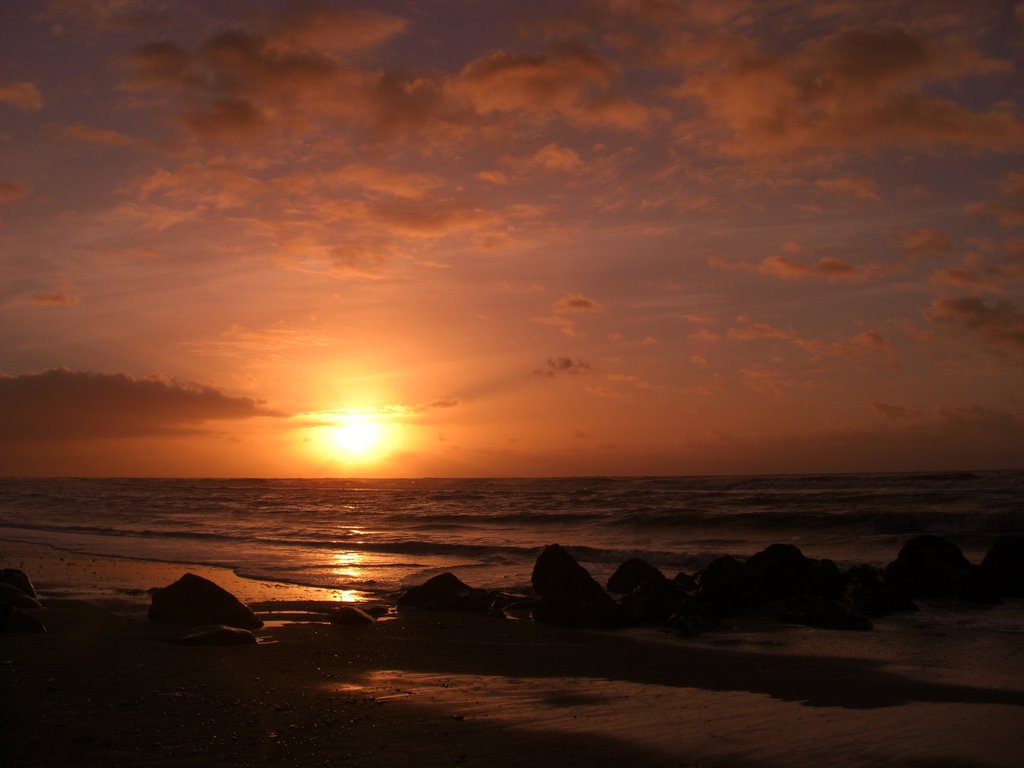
[511, 238]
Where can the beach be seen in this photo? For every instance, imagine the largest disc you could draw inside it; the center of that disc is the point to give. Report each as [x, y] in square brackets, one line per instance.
[105, 686]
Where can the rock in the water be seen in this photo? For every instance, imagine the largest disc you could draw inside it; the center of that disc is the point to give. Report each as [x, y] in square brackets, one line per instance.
[14, 620]
[865, 593]
[781, 570]
[11, 595]
[18, 578]
[1003, 566]
[632, 574]
[656, 601]
[348, 615]
[217, 634]
[687, 582]
[197, 601]
[568, 593]
[931, 566]
[723, 587]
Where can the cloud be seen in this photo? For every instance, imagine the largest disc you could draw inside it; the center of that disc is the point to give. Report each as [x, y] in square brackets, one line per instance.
[752, 331]
[925, 242]
[551, 158]
[562, 365]
[858, 186]
[573, 81]
[22, 96]
[830, 268]
[576, 302]
[385, 180]
[1010, 208]
[894, 411]
[54, 300]
[61, 404]
[1001, 325]
[856, 89]
[89, 134]
[11, 192]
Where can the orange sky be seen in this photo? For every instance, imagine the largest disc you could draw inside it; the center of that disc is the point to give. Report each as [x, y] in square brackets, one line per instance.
[510, 238]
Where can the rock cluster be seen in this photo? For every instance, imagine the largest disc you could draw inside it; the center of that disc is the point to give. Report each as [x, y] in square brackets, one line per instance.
[779, 582]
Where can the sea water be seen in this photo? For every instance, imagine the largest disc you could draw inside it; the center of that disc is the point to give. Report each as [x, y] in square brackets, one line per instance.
[376, 536]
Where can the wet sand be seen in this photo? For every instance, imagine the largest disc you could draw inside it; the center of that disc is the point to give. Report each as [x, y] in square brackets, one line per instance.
[105, 687]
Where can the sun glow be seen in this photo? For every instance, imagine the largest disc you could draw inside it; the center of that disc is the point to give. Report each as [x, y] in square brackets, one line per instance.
[356, 437]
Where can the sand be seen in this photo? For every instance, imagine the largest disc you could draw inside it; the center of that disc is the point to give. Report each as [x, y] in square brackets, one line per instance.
[105, 687]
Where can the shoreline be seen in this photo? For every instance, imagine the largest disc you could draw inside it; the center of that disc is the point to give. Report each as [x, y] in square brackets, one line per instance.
[106, 686]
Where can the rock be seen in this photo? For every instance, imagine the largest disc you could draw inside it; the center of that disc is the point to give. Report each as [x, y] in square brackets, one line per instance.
[14, 620]
[865, 593]
[632, 574]
[686, 581]
[930, 566]
[654, 602]
[781, 570]
[217, 634]
[18, 578]
[817, 611]
[446, 592]
[348, 615]
[11, 595]
[1003, 566]
[197, 601]
[568, 593]
[723, 587]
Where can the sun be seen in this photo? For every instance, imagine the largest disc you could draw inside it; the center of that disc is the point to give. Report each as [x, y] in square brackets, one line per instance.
[354, 437]
[357, 437]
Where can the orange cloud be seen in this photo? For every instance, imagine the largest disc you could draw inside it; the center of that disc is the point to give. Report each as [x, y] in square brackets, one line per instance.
[1010, 209]
[576, 302]
[11, 192]
[89, 134]
[829, 268]
[856, 89]
[22, 96]
[925, 242]
[54, 300]
[858, 186]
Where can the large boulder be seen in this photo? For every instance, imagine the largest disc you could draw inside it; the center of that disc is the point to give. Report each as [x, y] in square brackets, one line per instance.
[930, 566]
[14, 620]
[631, 574]
[349, 615]
[568, 593]
[11, 595]
[781, 571]
[19, 579]
[446, 592]
[1003, 567]
[865, 593]
[723, 588]
[195, 601]
[823, 612]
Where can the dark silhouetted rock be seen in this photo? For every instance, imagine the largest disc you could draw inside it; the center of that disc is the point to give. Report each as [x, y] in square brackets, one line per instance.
[1003, 567]
[197, 601]
[568, 593]
[445, 592]
[686, 581]
[817, 611]
[654, 601]
[438, 591]
[348, 615]
[15, 620]
[18, 578]
[865, 593]
[781, 570]
[632, 574]
[930, 566]
[11, 595]
[217, 634]
[723, 587]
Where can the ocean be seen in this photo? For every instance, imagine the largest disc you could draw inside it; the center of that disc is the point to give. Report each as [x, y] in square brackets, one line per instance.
[370, 538]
